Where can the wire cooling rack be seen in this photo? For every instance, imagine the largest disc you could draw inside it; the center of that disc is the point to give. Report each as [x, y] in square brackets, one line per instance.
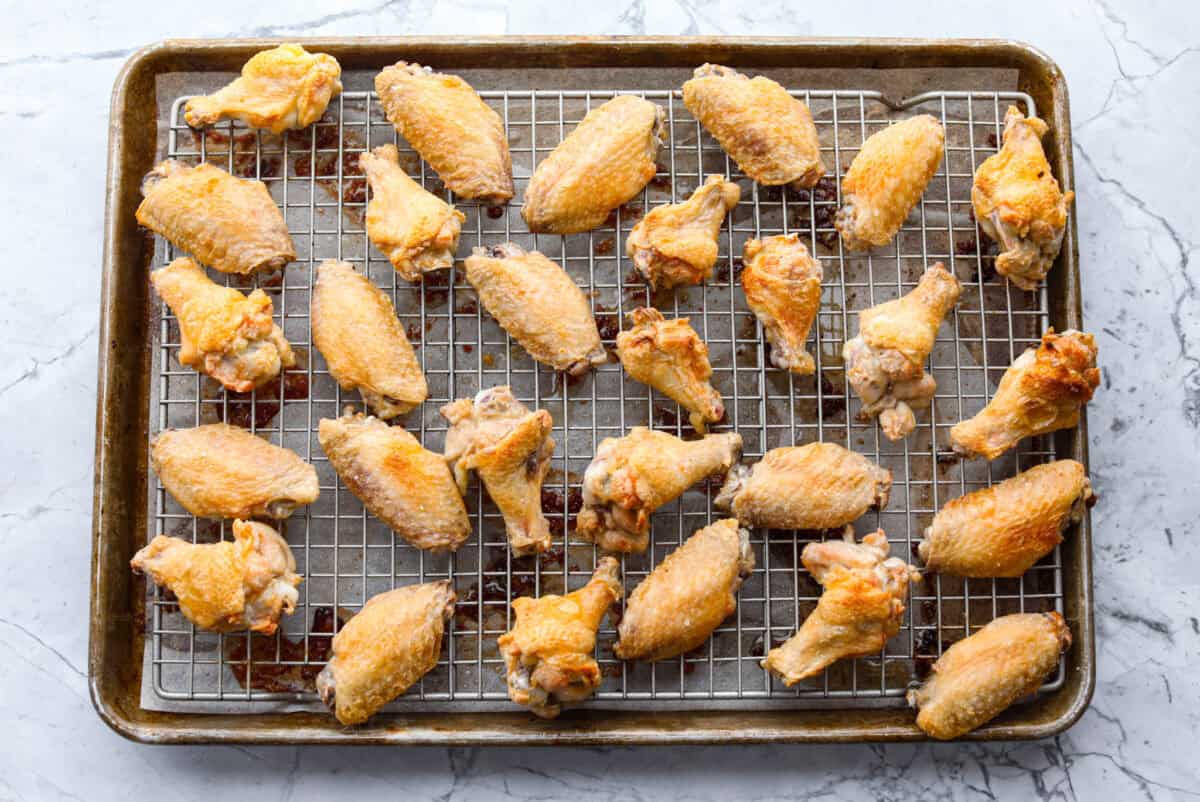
[347, 556]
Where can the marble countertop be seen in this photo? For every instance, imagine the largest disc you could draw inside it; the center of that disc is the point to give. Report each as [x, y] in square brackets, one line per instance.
[1136, 154]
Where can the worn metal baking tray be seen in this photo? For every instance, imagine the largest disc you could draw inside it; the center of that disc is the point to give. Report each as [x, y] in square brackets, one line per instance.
[154, 678]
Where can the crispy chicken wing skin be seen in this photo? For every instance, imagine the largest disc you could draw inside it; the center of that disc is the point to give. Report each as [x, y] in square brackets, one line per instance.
[860, 607]
[676, 244]
[223, 333]
[539, 305]
[687, 596]
[221, 471]
[230, 224]
[381, 652]
[981, 675]
[450, 126]
[548, 653]
[1042, 391]
[632, 476]
[669, 356]
[1019, 204]
[281, 88]
[407, 487]
[355, 327]
[783, 289]
[604, 162]
[1001, 531]
[886, 179]
[510, 447]
[226, 587]
[816, 486]
[885, 363]
[769, 133]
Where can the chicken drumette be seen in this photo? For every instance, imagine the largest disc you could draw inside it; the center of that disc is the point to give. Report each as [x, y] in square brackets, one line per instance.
[783, 289]
[677, 244]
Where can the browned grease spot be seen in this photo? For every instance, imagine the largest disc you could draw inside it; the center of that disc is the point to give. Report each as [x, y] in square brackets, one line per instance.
[495, 212]
[489, 361]
[263, 405]
[607, 322]
[295, 670]
[605, 246]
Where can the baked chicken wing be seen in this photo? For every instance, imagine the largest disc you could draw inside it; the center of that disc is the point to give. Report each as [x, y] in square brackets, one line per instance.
[223, 333]
[226, 587]
[769, 133]
[222, 471]
[450, 126]
[885, 363]
[886, 179]
[980, 676]
[783, 289]
[632, 476]
[511, 448]
[604, 162]
[230, 224]
[1019, 204]
[548, 652]
[677, 244]
[1042, 391]
[281, 88]
[355, 327]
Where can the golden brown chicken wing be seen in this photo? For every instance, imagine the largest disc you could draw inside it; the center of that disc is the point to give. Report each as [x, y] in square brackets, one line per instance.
[511, 448]
[1042, 391]
[230, 224]
[281, 88]
[1019, 204]
[632, 476]
[769, 133]
[539, 305]
[227, 587]
[381, 652]
[886, 179]
[677, 244]
[687, 596]
[223, 333]
[885, 363]
[548, 652]
[450, 126]
[979, 676]
[604, 162]
[221, 471]
[355, 327]
[783, 289]
[669, 356]
[407, 487]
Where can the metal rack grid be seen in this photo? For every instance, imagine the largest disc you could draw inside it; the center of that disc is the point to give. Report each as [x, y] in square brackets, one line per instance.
[346, 556]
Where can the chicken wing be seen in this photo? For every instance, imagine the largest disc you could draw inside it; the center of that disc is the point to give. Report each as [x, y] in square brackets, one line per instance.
[981, 675]
[223, 333]
[604, 162]
[783, 289]
[860, 607]
[816, 486]
[548, 653]
[769, 133]
[539, 305]
[450, 126]
[677, 244]
[355, 327]
[669, 356]
[221, 471]
[632, 476]
[407, 487]
[230, 224]
[380, 653]
[885, 363]
[511, 448]
[1042, 391]
[281, 88]
[687, 596]
[226, 587]
[1001, 531]
[886, 179]
[1019, 204]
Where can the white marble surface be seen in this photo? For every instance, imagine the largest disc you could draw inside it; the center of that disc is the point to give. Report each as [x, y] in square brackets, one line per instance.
[1132, 69]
